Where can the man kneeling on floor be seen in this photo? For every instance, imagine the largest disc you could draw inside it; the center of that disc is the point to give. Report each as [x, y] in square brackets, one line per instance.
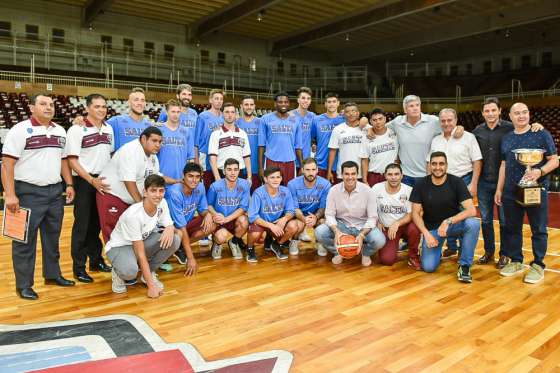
[350, 210]
[143, 238]
[442, 206]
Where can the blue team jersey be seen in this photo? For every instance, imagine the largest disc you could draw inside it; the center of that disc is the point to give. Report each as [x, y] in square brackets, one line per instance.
[187, 120]
[280, 137]
[182, 207]
[321, 129]
[176, 149]
[514, 170]
[309, 200]
[205, 125]
[252, 130]
[226, 201]
[126, 129]
[305, 124]
[270, 208]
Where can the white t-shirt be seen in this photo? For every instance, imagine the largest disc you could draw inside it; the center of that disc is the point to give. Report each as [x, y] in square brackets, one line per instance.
[130, 163]
[381, 151]
[92, 146]
[461, 153]
[136, 225]
[226, 144]
[38, 151]
[391, 207]
[348, 141]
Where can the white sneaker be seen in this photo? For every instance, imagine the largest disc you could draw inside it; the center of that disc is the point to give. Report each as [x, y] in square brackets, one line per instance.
[294, 249]
[321, 251]
[304, 236]
[366, 261]
[205, 241]
[118, 285]
[155, 279]
[337, 259]
[216, 251]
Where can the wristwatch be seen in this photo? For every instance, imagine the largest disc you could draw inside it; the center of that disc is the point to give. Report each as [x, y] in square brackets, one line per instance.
[449, 221]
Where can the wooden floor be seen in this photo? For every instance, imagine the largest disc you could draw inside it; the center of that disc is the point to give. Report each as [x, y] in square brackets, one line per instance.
[346, 319]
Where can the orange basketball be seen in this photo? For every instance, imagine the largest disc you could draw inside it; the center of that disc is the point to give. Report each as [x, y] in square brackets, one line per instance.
[347, 246]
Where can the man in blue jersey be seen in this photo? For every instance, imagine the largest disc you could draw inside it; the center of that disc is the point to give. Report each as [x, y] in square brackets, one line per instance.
[321, 129]
[228, 203]
[249, 123]
[128, 127]
[305, 118]
[280, 139]
[207, 122]
[272, 211]
[188, 115]
[184, 200]
[310, 199]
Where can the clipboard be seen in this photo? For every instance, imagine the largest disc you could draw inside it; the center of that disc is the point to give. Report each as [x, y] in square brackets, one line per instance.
[15, 226]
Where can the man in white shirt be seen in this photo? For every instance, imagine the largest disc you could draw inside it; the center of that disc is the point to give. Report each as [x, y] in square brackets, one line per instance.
[347, 139]
[89, 150]
[391, 199]
[33, 160]
[380, 151]
[143, 239]
[229, 141]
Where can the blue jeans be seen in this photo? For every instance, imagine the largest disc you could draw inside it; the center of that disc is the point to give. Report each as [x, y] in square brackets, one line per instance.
[538, 219]
[374, 240]
[466, 231]
[409, 180]
[452, 243]
[486, 193]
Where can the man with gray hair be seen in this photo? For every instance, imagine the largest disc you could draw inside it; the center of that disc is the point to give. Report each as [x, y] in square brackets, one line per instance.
[188, 115]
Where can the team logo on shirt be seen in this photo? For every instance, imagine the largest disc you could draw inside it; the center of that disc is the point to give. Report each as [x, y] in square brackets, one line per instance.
[403, 198]
[30, 130]
[282, 128]
[133, 132]
[307, 199]
[382, 148]
[275, 207]
[354, 139]
[229, 201]
[188, 208]
[112, 210]
[159, 211]
[173, 141]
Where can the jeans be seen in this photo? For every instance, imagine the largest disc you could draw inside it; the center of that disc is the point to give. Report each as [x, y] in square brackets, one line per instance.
[452, 243]
[372, 242]
[486, 191]
[466, 231]
[538, 219]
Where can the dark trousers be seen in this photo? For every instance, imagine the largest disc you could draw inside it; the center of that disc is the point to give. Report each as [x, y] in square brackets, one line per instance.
[538, 219]
[47, 210]
[486, 191]
[85, 231]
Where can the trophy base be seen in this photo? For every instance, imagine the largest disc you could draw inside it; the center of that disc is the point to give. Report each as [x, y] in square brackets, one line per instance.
[528, 196]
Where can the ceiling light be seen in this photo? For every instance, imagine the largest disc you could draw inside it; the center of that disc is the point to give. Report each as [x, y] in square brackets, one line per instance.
[347, 38]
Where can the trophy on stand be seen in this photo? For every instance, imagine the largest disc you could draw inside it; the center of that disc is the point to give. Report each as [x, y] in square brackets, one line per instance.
[528, 191]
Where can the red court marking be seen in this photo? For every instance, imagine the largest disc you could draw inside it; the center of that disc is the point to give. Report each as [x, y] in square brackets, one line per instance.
[171, 361]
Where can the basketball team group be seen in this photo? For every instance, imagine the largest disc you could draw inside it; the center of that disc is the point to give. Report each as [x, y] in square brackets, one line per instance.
[361, 188]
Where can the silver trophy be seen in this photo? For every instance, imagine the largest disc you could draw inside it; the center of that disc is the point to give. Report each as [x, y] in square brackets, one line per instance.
[528, 191]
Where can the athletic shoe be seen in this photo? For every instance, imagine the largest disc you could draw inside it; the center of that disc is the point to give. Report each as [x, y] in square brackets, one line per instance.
[180, 256]
[366, 261]
[502, 262]
[448, 253]
[251, 255]
[294, 249]
[403, 246]
[486, 259]
[267, 242]
[278, 250]
[118, 285]
[464, 273]
[166, 267]
[511, 269]
[134, 281]
[205, 241]
[236, 247]
[156, 280]
[337, 259]
[304, 236]
[414, 262]
[321, 251]
[535, 274]
[216, 251]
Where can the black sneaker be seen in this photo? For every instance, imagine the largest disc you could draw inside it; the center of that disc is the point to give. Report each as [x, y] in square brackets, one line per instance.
[278, 250]
[464, 274]
[251, 255]
[131, 282]
[180, 256]
[267, 242]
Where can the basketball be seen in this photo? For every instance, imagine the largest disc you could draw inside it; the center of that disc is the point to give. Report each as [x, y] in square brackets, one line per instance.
[347, 246]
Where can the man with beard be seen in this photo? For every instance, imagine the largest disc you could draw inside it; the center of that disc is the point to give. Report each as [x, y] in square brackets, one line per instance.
[128, 127]
[442, 206]
[305, 118]
[321, 130]
[379, 152]
[249, 123]
[280, 139]
[228, 203]
[310, 199]
[188, 115]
